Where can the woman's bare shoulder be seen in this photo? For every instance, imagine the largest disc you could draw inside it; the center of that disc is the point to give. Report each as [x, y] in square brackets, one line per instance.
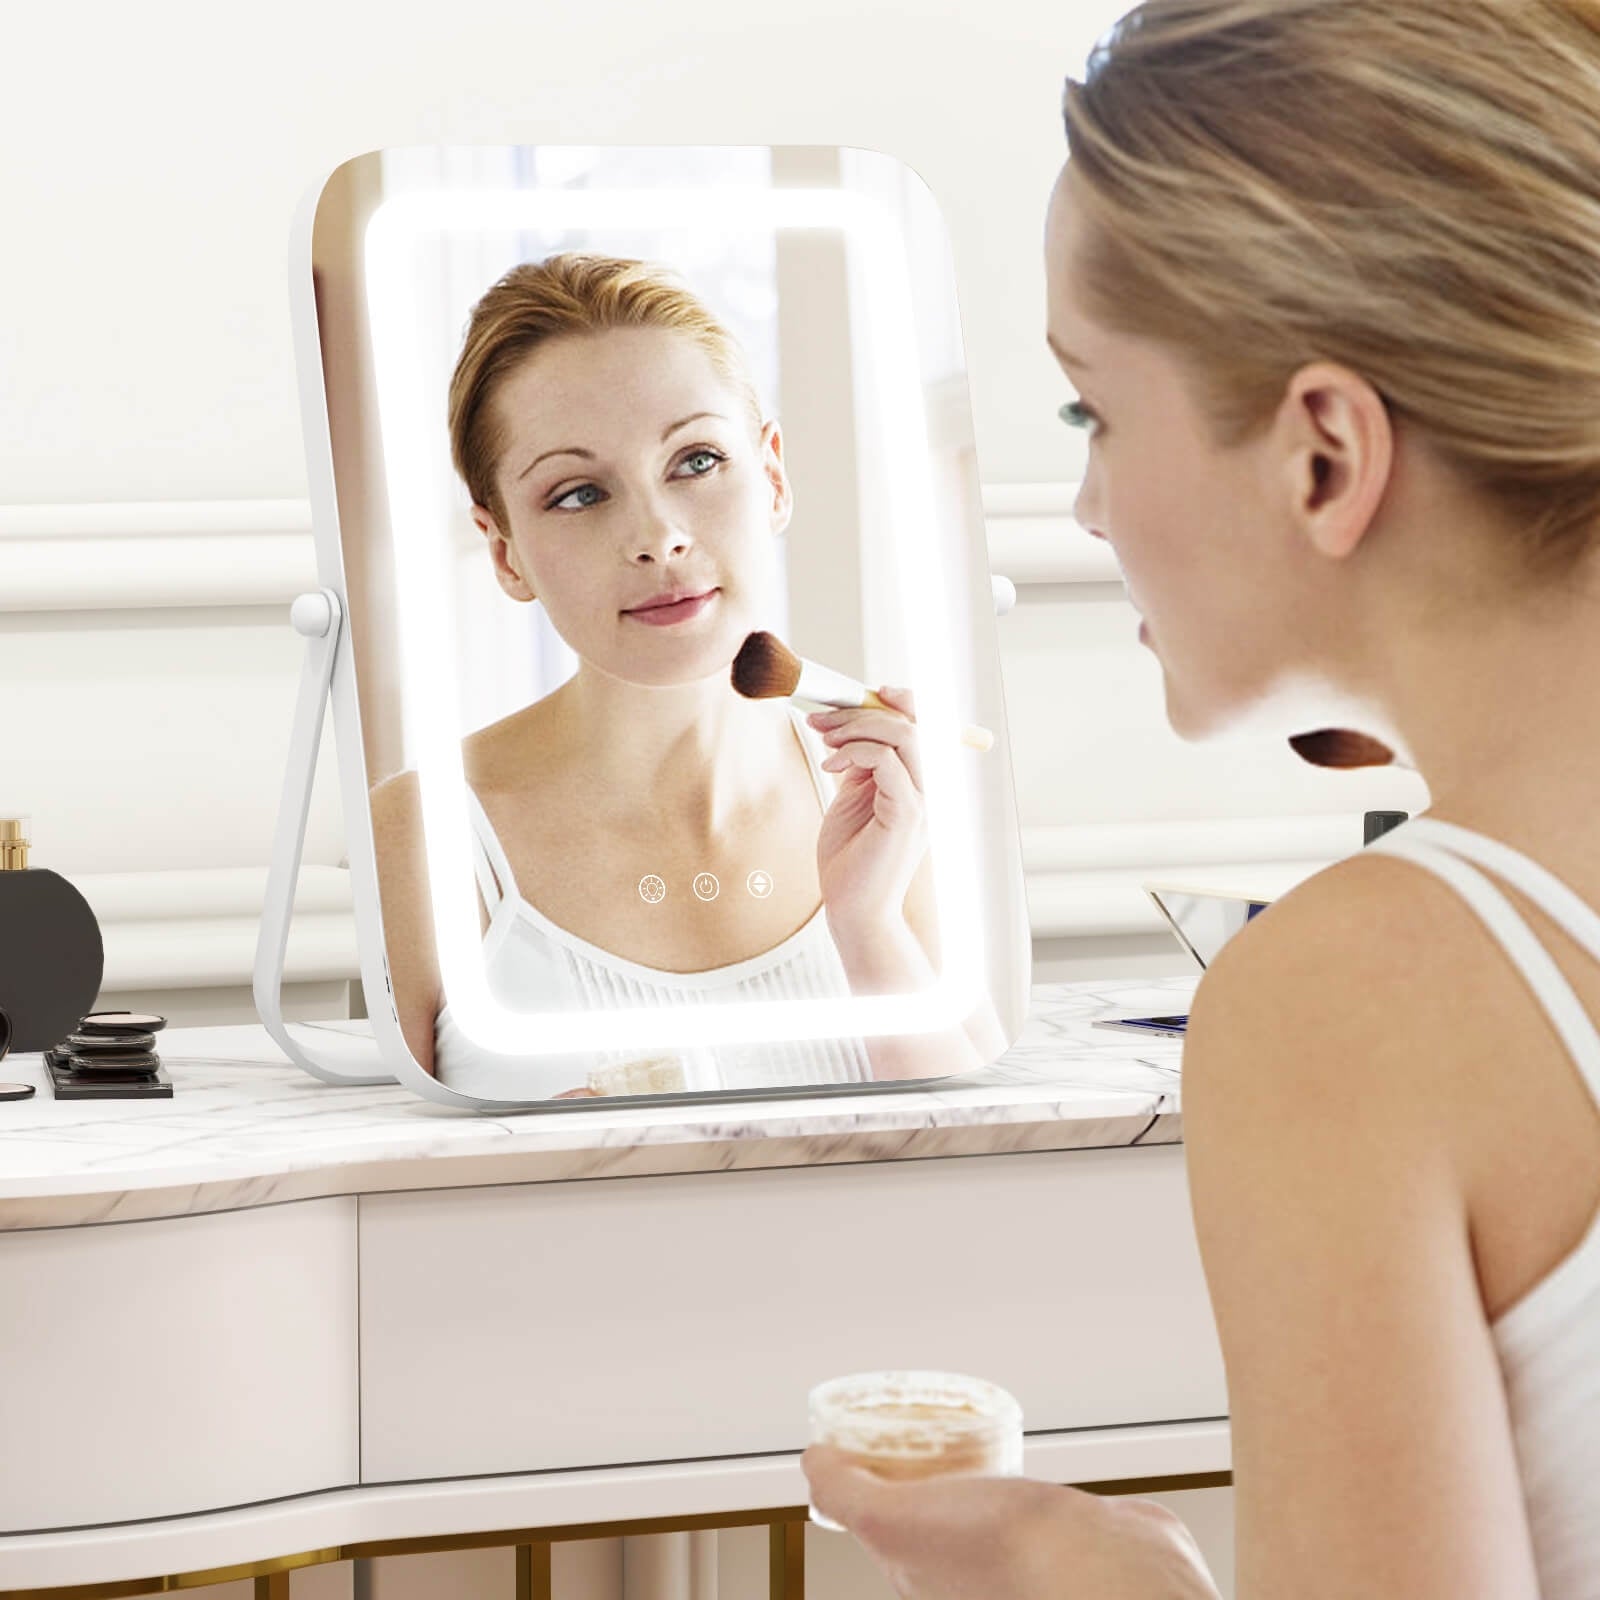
[1353, 973]
[395, 802]
[519, 752]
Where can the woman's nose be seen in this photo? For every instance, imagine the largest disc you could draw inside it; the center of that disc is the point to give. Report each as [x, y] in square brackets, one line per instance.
[1085, 508]
[661, 540]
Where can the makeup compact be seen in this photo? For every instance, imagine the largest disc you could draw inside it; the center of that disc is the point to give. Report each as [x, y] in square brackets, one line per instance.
[114, 1024]
[110, 1055]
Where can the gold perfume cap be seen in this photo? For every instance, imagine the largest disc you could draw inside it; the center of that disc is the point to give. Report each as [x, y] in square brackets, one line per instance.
[13, 844]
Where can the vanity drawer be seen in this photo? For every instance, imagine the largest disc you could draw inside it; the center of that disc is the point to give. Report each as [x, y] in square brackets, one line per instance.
[151, 1369]
[609, 1321]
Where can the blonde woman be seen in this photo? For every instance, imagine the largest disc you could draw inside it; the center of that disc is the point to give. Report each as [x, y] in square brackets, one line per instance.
[1325, 275]
[623, 475]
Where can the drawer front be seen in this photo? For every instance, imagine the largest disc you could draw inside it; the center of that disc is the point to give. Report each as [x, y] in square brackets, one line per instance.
[576, 1324]
[151, 1369]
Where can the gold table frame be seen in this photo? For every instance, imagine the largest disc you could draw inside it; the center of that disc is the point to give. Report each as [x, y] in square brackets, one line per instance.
[786, 1558]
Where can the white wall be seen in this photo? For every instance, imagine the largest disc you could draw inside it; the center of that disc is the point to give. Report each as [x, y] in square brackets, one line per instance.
[154, 155]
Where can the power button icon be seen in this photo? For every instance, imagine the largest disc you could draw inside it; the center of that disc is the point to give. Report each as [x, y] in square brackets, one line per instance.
[706, 886]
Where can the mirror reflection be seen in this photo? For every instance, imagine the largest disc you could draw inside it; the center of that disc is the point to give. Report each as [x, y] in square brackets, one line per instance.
[685, 694]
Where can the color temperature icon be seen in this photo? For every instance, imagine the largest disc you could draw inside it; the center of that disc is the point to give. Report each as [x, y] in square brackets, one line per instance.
[759, 884]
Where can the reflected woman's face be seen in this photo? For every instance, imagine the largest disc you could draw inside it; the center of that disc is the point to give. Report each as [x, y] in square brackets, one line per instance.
[629, 474]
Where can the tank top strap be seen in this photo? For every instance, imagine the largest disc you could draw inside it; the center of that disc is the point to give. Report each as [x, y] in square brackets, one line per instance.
[1428, 844]
[495, 877]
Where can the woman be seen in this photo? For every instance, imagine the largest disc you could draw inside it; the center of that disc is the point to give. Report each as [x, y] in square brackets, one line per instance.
[1326, 277]
[643, 834]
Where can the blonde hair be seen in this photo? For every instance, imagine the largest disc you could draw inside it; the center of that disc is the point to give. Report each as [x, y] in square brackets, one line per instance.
[571, 293]
[1408, 187]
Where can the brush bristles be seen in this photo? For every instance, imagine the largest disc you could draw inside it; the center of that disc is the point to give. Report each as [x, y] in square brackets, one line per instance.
[765, 668]
[1341, 747]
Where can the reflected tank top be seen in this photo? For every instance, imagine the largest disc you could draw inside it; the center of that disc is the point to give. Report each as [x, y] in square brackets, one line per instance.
[532, 963]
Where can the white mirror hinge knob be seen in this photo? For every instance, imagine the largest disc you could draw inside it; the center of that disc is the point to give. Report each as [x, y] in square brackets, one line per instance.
[313, 614]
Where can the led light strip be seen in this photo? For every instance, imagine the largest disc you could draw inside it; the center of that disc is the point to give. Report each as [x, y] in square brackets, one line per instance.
[398, 232]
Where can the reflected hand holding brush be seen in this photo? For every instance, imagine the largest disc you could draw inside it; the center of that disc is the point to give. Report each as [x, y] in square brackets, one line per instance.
[767, 669]
[872, 845]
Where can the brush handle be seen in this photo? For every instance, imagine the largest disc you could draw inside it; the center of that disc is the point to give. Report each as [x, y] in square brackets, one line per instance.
[823, 686]
[974, 737]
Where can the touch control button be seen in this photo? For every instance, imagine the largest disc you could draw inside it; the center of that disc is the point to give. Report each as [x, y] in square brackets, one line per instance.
[706, 886]
[651, 889]
[759, 884]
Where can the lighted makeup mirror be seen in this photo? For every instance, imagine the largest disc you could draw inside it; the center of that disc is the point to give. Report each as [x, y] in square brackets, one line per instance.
[605, 445]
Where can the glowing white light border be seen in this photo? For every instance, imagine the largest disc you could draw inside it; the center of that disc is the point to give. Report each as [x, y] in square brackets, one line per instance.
[410, 428]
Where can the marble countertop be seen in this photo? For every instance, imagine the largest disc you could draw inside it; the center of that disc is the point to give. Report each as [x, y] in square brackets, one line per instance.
[245, 1128]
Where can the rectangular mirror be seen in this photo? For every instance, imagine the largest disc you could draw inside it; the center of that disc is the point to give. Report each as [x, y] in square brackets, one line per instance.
[607, 444]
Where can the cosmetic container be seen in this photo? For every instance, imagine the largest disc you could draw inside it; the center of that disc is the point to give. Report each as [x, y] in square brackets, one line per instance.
[51, 954]
[905, 1425]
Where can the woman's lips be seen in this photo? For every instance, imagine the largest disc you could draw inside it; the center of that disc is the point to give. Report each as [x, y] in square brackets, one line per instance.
[680, 611]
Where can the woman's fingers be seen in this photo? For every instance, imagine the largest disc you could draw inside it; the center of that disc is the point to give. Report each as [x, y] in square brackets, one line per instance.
[840, 1490]
[887, 725]
[896, 787]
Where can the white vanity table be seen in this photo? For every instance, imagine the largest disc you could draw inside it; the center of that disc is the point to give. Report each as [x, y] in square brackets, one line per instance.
[268, 1322]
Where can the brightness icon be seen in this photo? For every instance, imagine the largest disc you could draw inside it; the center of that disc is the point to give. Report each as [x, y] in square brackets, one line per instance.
[651, 889]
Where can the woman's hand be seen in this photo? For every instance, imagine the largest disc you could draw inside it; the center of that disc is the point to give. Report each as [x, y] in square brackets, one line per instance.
[874, 833]
[1008, 1538]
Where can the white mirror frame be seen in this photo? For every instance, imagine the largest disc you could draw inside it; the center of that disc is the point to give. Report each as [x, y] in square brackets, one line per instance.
[339, 1057]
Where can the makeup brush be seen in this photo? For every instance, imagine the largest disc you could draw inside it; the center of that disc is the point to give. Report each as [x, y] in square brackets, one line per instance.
[767, 669]
[1342, 747]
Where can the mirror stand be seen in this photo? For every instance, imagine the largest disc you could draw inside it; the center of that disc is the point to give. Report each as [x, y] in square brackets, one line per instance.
[335, 1058]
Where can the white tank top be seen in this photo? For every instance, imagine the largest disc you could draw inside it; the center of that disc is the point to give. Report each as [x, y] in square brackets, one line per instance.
[1549, 1341]
[531, 963]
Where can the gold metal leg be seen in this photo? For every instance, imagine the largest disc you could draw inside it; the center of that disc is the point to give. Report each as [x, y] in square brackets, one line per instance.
[786, 1567]
[786, 1561]
[533, 1571]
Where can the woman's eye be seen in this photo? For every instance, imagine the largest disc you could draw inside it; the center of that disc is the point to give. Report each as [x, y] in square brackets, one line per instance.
[583, 488]
[707, 459]
[1077, 415]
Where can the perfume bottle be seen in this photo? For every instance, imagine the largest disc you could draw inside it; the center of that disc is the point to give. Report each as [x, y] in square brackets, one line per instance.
[51, 954]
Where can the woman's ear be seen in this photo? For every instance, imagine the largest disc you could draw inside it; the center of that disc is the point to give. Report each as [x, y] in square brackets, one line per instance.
[502, 556]
[1338, 455]
[771, 448]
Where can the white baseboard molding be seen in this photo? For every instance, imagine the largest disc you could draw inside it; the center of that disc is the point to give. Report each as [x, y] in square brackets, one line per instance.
[1098, 846]
[197, 929]
[1113, 904]
[1033, 538]
[147, 554]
